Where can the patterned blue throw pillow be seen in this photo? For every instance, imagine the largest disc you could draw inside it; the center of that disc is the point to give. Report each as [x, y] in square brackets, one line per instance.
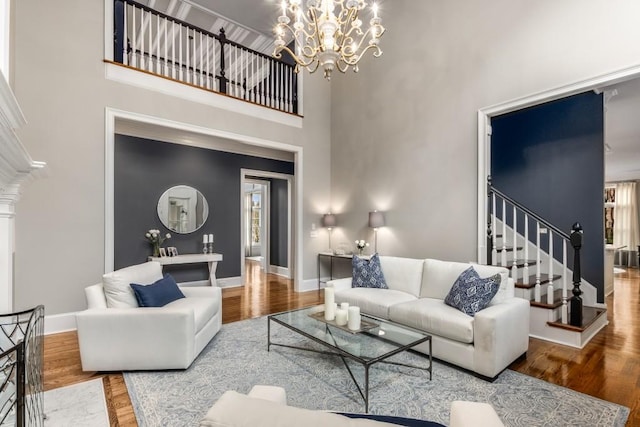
[367, 273]
[470, 293]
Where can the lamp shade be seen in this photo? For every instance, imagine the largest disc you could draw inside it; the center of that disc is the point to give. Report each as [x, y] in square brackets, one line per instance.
[376, 219]
[329, 220]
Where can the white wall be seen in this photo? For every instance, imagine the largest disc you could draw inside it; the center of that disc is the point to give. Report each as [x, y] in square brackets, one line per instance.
[404, 129]
[60, 85]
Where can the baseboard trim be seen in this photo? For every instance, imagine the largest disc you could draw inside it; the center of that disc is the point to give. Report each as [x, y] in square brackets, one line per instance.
[229, 282]
[280, 271]
[57, 323]
[308, 285]
[195, 283]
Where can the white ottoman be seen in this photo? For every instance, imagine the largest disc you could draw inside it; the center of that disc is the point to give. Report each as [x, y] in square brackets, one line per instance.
[269, 392]
[476, 414]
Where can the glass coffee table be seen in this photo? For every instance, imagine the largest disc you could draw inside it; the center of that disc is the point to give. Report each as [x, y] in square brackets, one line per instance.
[377, 340]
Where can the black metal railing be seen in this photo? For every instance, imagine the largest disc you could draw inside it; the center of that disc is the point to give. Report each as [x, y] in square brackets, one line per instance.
[21, 368]
[154, 42]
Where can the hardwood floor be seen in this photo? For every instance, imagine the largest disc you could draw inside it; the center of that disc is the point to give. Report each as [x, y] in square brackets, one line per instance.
[607, 368]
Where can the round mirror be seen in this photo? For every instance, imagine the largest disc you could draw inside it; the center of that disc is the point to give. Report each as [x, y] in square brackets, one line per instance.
[183, 209]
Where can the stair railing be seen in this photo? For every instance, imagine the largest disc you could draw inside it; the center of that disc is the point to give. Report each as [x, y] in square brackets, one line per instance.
[498, 208]
[156, 43]
[21, 368]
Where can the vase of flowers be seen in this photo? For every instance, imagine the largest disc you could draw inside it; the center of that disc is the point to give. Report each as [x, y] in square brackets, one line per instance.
[154, 237]
[360, 245]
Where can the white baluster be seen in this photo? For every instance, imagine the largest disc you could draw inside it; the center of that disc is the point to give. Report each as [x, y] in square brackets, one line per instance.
[203, 81]
[208, 71]
[158, 47]
[494, 249]
[503, 255]
[142, 30]
[565, 308]
[537, 292]
[550, 288]
[180, 61]
[125, 54]
[194, 76]
[525, 269]
[166, 47]
[514, 268]
[173, 50]
[150, 53]
[134, 36]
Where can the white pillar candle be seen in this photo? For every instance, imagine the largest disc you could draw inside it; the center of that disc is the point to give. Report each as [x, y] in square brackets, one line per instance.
[329, 295]
[341, 317]
[329, 311]
[354, 318]
[205, 239]
[210, 238]
[344, 306]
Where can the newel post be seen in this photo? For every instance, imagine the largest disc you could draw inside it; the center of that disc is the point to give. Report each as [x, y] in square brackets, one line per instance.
[489, 223]
[223, 78]
[576, 301]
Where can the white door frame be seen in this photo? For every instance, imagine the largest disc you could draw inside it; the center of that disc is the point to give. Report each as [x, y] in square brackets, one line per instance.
[292, 271]
[484, 133]
[295, 223]
[265, 224]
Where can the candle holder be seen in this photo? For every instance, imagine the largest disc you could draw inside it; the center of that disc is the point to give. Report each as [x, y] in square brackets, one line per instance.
[205, 248]
[210, 247]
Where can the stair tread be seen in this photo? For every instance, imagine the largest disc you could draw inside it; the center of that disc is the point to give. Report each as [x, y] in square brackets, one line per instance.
[519, 263]
[557, 300]
[544, 279]
[589, 315]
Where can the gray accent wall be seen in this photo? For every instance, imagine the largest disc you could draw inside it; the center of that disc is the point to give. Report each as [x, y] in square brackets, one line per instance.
[144, 169]
[279, 235]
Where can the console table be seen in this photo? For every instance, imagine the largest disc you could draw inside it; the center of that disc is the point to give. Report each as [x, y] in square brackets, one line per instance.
[211, 259]
[332, 257]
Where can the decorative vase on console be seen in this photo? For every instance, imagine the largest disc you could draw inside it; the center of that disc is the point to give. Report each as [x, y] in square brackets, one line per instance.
[360, 245]
[153, 236]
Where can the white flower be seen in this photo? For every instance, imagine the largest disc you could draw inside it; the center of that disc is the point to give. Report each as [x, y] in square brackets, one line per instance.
[367, 245]
[147, 235]
[168, 235]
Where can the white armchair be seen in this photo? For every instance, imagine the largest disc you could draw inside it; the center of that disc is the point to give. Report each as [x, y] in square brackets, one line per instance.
[116, 335]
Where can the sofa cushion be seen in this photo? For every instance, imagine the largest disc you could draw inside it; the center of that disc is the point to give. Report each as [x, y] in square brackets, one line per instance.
[403, 274]
[367, 273]
[470, 293]
[116, 284]
[238, 410]
[375, 302]
[204, 309]
[435, 317]
[439, 277]
[157, 294]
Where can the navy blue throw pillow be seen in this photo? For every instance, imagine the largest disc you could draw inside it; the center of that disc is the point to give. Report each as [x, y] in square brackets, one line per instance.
[470, 293]
[367, 273]
[157, 294]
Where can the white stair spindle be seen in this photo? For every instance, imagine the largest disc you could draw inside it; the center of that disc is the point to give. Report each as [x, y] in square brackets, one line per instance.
[134, 36]
[514, 268]
[208, 71]
[188, 73]
[525, 269]
[166, 49]
[158, 55]
[150, 40]
[550, 288]
[180, 62]
[494, 249]
[537, 291]
[194, 76]
[503, 255]
[142, 29]
[565, 308]
[125, 54]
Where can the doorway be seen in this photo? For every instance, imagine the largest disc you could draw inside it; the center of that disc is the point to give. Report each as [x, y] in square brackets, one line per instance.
[267, 230]
[256, 221]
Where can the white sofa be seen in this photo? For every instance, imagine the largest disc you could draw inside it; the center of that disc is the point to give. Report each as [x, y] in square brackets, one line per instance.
[485, 343]
[115, 334]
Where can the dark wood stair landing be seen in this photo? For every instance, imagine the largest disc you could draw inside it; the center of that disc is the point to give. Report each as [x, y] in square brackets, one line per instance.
[589, 315]
[557, 300]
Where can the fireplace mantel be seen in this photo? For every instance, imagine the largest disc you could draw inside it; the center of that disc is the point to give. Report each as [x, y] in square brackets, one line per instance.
[17, 168]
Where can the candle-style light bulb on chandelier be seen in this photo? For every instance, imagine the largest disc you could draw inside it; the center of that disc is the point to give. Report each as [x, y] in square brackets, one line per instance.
[327, 34]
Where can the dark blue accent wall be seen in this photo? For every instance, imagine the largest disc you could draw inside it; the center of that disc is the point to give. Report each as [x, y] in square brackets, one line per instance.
[144, 169]
[550, 158]
[279, 236]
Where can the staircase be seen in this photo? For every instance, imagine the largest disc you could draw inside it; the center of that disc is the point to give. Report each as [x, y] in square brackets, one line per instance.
[524, 243]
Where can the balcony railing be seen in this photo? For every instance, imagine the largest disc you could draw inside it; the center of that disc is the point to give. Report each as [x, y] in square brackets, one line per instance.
[151, 41]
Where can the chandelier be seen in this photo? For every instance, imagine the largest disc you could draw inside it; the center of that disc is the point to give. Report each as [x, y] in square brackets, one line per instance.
[327, 33]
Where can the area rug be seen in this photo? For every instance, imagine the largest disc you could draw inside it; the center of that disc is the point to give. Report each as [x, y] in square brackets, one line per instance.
[237, 359]
[81, 404]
